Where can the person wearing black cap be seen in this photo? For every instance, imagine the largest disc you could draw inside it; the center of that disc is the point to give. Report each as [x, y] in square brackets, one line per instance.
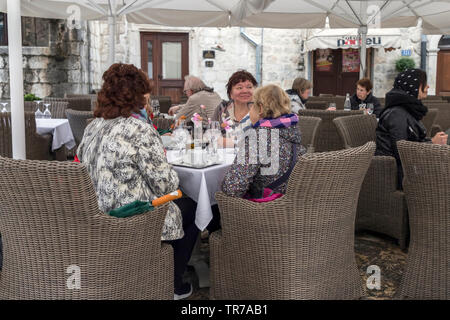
[402, 115]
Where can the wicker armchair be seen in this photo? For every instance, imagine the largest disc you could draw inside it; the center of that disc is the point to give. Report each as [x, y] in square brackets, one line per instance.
[50, 221]
[381, 207]
[77, 103]
[78, 122]
[300, 246]
[162, 123]
[318, 105]
[38, 147]
[427, 187]
[356, 130]
[327, 138]
[308, 128]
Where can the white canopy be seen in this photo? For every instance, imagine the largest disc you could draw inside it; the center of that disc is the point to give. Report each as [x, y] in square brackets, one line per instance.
[254, 13]
[216, 13]
[349, 38]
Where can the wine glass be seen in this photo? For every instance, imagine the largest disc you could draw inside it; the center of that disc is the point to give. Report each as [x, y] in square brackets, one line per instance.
[4, 104]
[47, 114]
[38, 114]
[362, 106]
[155, 107]
[370, 108]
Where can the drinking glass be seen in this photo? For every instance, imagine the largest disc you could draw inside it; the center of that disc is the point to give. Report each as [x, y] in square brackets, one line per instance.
[38, 114]
[362, 106]
[370, 108]
[4, 104]
[47, 114]
[155, 107]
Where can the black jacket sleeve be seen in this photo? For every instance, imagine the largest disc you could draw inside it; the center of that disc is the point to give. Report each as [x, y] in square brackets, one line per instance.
[377, 108]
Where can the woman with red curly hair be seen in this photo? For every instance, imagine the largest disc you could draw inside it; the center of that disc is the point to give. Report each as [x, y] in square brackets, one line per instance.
[125, 159]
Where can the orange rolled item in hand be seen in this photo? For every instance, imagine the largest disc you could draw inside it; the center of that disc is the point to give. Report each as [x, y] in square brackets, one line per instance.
[168, 197]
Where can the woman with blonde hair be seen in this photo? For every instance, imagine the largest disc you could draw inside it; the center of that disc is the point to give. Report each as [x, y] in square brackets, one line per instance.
[272, 119]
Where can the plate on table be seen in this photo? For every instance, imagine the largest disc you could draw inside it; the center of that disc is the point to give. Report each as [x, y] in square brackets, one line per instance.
[196, 160]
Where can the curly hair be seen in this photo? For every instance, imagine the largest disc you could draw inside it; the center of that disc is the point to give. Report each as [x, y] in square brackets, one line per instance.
[122, 92]
[239, 76]
[274, 102]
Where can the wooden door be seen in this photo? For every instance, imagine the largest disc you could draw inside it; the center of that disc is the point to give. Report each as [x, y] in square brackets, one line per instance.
[335, 71]
[165, 58]
[325, 71]
[443, 73]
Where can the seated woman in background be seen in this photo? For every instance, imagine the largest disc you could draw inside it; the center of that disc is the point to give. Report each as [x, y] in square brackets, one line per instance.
[364, 95]
[402, 115]
[301, 89]
[125, 159]
[240, 89]
[270, 112]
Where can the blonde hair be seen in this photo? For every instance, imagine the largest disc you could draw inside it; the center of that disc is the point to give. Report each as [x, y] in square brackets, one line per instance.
[274, 102]
[301, 84]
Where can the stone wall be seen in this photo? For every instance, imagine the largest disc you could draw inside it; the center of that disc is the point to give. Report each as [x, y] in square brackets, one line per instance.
[280, 54]
[384, 61]
[56, 63]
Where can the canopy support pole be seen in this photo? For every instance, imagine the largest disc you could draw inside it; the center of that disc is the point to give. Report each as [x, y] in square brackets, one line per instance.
[16, 79]
[112, 32]
[362, 54]
[112, 40]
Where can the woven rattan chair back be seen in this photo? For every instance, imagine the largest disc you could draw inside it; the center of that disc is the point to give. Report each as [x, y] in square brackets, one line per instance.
[327, 138]
[318, 105]
[426, 185]
[308, 128]
[78, 122]
[51, 227]
[300, 246]
[77, 103]
[37, 146]
[356, 130]
[162, 123]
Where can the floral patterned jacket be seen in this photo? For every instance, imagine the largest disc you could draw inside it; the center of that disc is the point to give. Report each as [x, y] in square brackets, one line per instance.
[126, 161]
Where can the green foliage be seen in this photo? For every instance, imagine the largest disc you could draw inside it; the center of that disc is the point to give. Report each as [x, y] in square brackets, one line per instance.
[31, 97]
[404, 63]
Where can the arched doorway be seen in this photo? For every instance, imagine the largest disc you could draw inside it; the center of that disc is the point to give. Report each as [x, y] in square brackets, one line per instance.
[443, 67]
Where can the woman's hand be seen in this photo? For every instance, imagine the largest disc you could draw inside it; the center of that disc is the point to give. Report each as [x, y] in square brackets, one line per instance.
[331, 108]
[440, 138]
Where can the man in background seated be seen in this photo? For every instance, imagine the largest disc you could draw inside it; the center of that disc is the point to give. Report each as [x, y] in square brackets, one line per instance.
[201, 100]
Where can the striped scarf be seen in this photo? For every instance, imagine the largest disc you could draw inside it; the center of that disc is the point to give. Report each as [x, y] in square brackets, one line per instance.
[285, 121]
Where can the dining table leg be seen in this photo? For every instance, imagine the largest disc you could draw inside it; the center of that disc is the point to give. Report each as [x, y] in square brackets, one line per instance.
[198, 261]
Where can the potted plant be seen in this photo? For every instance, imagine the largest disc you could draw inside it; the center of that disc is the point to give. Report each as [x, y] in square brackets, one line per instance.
[31, 97]
[404, 63]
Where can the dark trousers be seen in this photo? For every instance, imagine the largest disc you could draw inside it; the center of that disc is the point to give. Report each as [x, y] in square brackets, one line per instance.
[182, 248]
[214, 225]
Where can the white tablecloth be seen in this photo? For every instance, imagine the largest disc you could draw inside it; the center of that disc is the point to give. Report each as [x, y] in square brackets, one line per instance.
[60, 129]
[201, 185]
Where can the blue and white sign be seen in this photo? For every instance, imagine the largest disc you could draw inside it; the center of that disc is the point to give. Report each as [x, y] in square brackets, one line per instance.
[406, 52]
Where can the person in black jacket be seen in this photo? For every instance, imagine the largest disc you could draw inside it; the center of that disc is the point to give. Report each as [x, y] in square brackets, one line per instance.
[402, 115]
[364, 95]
